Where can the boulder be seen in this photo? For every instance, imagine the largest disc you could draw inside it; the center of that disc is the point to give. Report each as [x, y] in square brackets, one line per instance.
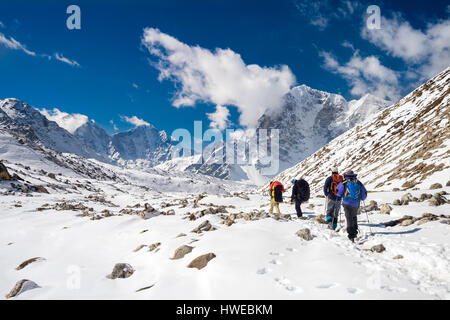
[373, 205]
[304, 234]
[378, 248]
[397, 257]
[437, 200]
[448, 183]
[201, 261]
[182, 251]
[397, 202]
[4, 174]
[319, 219]
[121, 270]
[407, 222]
[425, 196]
[385, 209]
[204, 226]
[407, 197]
[154, 246]
[435, 186]
[20, 287]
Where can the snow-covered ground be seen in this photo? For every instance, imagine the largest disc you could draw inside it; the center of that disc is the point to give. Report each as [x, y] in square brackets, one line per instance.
[255, 259]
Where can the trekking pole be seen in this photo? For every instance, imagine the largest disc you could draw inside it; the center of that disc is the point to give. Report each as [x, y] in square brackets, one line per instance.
[367, 215]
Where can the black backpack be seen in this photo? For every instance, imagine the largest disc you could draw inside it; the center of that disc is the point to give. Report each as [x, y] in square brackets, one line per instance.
[303, 191]
[278, 194]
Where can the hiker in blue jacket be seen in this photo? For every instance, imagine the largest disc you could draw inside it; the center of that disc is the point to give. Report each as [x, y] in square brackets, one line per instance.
[352, 191]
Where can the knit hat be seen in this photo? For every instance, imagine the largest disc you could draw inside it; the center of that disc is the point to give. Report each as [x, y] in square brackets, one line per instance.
[335, 170]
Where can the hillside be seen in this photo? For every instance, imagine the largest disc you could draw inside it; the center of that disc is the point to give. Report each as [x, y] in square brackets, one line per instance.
[405, 146]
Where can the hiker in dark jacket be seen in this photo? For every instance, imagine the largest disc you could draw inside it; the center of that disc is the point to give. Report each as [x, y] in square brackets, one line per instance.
[332, 204]
[352, 191]
[300, 193]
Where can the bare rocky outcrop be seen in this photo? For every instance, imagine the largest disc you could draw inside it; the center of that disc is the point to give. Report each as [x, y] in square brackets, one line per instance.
[201, 261]
[121, 270]
[182, 251]
[22, 286]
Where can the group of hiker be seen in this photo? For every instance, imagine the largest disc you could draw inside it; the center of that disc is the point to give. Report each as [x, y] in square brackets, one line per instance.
[339, 190]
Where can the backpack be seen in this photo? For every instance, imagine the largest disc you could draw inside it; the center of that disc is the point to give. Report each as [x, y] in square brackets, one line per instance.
[278, 193]
[352, 190]
[336, 179]
[304, 191]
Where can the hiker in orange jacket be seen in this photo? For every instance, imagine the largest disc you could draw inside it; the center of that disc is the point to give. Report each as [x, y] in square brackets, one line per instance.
[276, 195]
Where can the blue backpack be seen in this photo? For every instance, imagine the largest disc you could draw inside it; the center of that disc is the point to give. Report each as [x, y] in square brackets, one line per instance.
[352, 190]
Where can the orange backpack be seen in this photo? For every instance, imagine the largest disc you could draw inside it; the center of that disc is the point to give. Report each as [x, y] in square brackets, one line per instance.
[335, 180]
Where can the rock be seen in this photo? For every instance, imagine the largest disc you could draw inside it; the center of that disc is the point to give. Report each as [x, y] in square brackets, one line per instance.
[385, 209]
[121, 270]
[171, 212]
[20, 287]
[204, 226]
[52, 175]
[106, 213]
[139, 248]
[429, 215]
[154, 246]
[407, 197]
[182, 251]
[395, 189]
[378, 248]
[201, 261]
[397, 257]
[4, 174]
[425, 196]
[424, 220]
[447, 221]
[443, 193]
[407, 222]
[373, 205]
[181, 235]
[448, 183]
[27, 262]
[319, 219]
[145, 288]
[437, 200]
[247, 217]
[435, 186]
[397, 202]
[311, 206]
[304, 234]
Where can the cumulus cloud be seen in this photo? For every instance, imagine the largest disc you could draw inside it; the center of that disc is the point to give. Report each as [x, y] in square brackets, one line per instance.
[365, 75]
[13, 44]
[219, 119]
[135, 121]
[220, 77]
[61, 58]
[70, 122]
[427, 52]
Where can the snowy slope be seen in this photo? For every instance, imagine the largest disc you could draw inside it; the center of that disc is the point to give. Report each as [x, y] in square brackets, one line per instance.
[257, 258]
[405, 146]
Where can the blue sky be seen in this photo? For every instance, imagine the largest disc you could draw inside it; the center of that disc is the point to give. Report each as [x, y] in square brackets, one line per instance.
[103, 70]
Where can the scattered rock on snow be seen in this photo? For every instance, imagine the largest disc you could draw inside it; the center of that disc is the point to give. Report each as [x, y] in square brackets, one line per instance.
[27, 262]
[407, 222]
[154, 246]
[20, 287]
[437, 200]
[201, 261]
[397, 257]
[385, 209]
[145, 288]
[204, 226]
[448, 183]
[319, 219]
[373, 205]
[435, 186]
[304, 234]
[378, 248]
[181, 235]
[121, 270]
[182, 251]
[139, 248]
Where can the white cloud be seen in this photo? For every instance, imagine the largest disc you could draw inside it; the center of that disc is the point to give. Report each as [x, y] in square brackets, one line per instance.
[220, 77]
[135, 121]
[365, 75]
[427, 52]
[70, 122]
[321, 13]
[61, 58]
[13, 44]
[219, 119]
[114, 125]
[135, 85]
[2, 25]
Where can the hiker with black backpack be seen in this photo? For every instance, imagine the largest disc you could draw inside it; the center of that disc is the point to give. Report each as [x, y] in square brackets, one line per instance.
[276, 195]
[300, 194]
[352, 191]
[332, 204]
